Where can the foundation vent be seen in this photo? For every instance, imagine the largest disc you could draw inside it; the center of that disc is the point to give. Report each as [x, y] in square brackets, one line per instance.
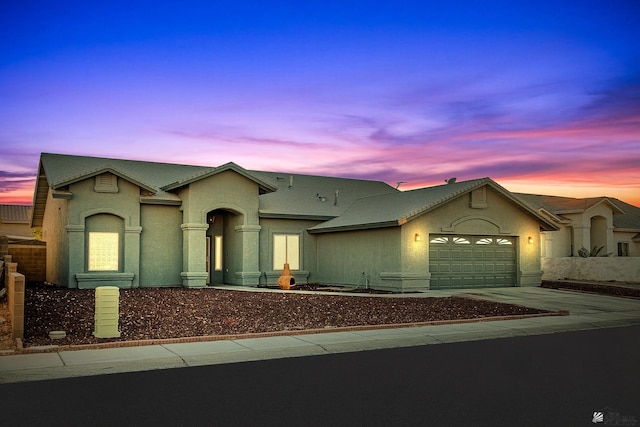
[479, 198]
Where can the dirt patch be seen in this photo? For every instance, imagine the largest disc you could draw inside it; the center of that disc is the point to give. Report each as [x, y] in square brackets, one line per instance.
[157, 313]
[6, 340]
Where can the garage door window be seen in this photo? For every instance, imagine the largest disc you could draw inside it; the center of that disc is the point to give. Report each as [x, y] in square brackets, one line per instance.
[453, 240]
[461, 241]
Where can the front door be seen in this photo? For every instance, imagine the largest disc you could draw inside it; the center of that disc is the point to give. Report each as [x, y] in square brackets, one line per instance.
[216, 260]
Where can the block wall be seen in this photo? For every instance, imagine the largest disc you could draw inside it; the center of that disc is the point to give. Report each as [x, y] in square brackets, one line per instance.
[32, 261]
[15, 284]
[4, 246]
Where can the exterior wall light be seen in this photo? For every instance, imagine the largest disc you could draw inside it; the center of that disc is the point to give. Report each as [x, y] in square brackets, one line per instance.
[530, 240]
[417, 237]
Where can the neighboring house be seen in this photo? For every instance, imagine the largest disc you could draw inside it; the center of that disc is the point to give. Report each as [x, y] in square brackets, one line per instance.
[142, 224]
[603, 225]
[15, 221]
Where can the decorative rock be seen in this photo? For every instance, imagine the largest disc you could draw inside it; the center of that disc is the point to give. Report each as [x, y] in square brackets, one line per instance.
[57, 335]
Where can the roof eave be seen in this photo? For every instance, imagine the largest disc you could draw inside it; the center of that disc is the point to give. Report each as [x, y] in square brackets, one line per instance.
[626, 230]
[159, 201]
[40, 194]
[354, 227]
[276, 215]
[553, 217]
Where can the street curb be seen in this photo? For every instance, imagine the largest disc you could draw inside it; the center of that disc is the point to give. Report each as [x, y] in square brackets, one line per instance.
[206, 338]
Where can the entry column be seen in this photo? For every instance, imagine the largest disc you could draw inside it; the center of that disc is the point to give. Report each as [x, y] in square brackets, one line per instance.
[249, 275]
[194, 252]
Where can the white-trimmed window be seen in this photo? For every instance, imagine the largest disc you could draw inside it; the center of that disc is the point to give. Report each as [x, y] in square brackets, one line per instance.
[286, 249]
[104, 251]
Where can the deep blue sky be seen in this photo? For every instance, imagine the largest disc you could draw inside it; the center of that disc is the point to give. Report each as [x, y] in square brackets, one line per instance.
[542, 96]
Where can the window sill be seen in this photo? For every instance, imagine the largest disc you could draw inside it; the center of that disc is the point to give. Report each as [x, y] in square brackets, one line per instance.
[104, 278]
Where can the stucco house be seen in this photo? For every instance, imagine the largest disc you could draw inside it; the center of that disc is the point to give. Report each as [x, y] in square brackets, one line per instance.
[598, 238]
[604, 223]
[143, 224]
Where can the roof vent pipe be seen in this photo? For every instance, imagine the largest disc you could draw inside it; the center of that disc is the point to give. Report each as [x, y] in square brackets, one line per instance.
[335, 198]
[290, 181]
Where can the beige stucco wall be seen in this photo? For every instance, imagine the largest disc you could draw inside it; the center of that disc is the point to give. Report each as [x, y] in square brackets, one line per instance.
[500, 217]
[556, 243]
[85, 203]
[626, 269]
[343, 257]
[626, 237]
[55, 234]
[227, 191]
[161, 246]
[308, 250]
[581, 224]
[393, 259]
[15, 229]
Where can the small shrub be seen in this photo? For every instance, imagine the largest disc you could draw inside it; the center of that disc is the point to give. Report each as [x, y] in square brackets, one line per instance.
[585, 253]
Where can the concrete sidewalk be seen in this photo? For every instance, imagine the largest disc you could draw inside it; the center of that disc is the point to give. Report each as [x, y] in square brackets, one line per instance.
[587, 311]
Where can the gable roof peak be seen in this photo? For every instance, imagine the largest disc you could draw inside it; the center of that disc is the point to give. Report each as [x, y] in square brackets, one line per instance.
[207, 172]
[396, 209]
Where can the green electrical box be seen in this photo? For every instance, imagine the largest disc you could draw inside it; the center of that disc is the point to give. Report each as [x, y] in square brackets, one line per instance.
[107, 312]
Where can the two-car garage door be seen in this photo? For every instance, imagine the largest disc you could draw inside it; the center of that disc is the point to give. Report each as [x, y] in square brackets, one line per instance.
[472, 261]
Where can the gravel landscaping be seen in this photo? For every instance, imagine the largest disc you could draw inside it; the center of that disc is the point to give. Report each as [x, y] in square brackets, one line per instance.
[156, 313]
[626, 289]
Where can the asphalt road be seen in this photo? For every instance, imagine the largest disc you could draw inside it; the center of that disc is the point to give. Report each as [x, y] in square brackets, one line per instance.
[546, 380]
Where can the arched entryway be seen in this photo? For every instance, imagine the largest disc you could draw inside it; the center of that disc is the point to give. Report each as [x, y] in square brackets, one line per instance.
[598, 234]
[222, 254]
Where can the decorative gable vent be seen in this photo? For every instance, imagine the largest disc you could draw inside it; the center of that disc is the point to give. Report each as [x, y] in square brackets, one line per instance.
[106, 183]
[479, 198]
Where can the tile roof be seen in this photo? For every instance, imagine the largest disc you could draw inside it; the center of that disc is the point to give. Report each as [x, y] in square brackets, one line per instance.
[15, 214]
[314, 197]
[62, 169]
[302, 200]
[344, 203]
[397, 208]
[392, 209]
[630, 219]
